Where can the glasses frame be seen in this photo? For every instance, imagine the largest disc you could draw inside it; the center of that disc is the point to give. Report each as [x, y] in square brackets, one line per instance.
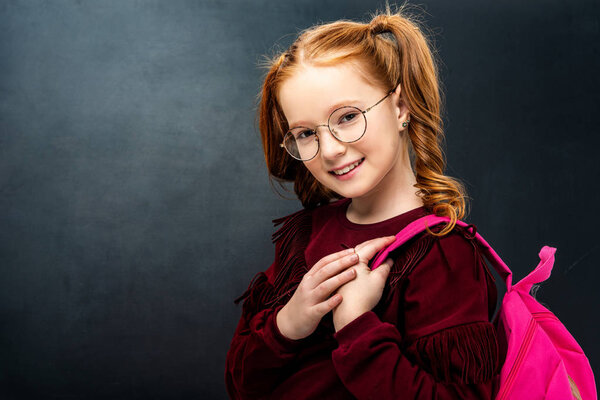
[330, 131]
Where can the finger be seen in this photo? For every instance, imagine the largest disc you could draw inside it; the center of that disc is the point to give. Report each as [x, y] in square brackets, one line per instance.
[332, 269]
[384, 268]
[325, 288]
[328, 305]
[368, 249]
[326, 260]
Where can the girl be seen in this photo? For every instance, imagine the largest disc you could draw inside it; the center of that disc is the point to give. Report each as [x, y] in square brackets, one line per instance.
[351, 114]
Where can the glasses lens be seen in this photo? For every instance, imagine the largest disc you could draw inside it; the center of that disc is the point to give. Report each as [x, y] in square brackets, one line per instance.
[348, 124]
[301, 143]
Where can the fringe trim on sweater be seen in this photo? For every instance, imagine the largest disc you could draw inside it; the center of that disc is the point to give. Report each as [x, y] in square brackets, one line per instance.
[461, 354]
[291, 239]
[407, 260]
[406, 257]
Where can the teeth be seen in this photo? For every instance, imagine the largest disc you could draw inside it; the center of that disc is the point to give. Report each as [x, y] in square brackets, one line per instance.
[347, 169]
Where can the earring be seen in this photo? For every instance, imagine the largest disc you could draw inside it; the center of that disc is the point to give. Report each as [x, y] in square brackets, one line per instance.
[405, 123]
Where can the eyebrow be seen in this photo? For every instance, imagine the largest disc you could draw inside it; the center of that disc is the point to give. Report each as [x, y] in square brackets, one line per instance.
[333, 107]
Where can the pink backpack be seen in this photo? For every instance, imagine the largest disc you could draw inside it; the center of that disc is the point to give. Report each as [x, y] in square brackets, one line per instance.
[543, 360]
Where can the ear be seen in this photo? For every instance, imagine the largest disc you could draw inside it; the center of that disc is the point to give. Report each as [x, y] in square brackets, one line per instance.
[400, 107]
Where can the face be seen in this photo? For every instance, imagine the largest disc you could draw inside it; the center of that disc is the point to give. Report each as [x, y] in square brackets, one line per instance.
[307, 99]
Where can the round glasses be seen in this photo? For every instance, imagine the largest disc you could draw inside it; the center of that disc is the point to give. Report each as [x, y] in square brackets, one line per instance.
[347, 124]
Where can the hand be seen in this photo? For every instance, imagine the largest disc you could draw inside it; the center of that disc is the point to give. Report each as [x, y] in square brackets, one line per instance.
[363, 293]
[310, 302]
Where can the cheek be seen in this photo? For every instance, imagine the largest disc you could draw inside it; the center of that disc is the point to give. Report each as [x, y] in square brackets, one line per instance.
[314, 168]
[383, 143]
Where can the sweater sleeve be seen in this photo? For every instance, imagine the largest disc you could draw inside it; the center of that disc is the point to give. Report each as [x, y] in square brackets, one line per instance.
[258, 356]
[446, 348]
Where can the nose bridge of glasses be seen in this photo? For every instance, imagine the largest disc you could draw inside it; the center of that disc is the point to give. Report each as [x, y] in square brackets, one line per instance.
[328, 130]
[317, 127]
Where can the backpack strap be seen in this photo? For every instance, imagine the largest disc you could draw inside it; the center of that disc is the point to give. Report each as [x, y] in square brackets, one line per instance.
[419, 225]
[541, 272]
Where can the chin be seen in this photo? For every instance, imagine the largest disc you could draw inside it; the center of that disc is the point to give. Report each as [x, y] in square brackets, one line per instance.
[351, 193]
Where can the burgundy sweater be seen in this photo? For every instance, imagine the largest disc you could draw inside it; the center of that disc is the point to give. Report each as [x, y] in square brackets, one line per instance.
[428, 337]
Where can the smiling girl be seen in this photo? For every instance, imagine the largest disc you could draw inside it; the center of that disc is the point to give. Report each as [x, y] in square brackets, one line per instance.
[351, 114]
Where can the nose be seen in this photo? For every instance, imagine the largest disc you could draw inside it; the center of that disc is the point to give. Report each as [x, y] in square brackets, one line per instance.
[329, 146]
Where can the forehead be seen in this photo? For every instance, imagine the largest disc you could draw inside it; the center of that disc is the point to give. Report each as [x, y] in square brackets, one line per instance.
[309, 95]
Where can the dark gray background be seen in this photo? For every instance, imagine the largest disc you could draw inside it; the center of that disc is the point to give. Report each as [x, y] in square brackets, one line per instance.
[134, 199]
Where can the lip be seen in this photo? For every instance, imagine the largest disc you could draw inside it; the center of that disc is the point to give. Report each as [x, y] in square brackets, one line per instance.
[343, 166]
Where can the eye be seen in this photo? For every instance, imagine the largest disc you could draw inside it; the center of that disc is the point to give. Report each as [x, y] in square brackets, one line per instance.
[303, 134]
[348, 117]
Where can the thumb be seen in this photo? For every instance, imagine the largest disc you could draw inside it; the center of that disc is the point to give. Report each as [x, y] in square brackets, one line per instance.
[385, 268]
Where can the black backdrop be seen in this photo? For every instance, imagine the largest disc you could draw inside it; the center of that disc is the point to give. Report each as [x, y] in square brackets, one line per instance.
[135, 204]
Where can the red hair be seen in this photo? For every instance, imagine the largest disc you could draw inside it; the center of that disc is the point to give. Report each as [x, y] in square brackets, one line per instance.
[388, 50]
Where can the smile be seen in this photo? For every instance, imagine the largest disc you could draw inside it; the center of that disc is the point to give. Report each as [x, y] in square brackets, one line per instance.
[347, 168]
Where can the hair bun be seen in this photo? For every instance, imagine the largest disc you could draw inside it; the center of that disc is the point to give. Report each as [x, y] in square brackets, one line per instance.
[379, 25]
